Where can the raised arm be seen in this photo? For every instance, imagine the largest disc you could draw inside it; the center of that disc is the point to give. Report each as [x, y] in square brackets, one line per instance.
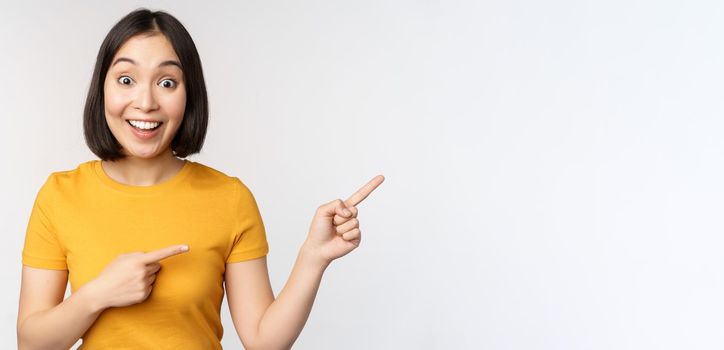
[261, 321]
[265, 323]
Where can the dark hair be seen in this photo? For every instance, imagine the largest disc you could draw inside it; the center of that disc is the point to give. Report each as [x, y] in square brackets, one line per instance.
[190, 135]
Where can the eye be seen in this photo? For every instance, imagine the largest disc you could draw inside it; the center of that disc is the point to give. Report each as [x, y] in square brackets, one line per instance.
[168, 83]
[125, 80]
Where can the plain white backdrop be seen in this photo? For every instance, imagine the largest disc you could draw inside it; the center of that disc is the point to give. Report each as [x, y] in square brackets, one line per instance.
[554, 174]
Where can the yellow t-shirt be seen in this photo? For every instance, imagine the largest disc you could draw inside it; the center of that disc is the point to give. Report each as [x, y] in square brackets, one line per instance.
[82, 219]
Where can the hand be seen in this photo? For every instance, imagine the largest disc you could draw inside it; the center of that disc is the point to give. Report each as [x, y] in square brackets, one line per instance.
[335, 232]
[129, 278]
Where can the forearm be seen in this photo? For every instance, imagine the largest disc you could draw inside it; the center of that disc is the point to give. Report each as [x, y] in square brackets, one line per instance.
[61, 326]
[284, 319]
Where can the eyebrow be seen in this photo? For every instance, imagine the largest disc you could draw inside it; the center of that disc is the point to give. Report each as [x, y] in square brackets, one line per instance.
[162, 64]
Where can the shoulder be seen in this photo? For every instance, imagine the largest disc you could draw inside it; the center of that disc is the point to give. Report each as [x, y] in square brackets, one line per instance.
[63, 176]
[209, 176]
[65, 181]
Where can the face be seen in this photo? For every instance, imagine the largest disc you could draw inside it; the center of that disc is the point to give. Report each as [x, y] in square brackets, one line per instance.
[145, 86]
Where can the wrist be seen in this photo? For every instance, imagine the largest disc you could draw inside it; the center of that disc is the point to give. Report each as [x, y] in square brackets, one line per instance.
[311, 256]
[92, 297]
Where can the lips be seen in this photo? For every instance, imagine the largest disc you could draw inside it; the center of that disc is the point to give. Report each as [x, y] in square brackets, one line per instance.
[157, 126]
[144, 134]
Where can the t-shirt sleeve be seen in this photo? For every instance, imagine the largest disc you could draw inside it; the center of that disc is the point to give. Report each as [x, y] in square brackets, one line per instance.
[250, 235]
[42, 248]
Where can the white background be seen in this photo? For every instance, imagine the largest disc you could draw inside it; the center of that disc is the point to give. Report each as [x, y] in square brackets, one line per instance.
[553, 168]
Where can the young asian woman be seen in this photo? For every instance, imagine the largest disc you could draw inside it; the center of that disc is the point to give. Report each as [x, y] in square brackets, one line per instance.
[149, 240]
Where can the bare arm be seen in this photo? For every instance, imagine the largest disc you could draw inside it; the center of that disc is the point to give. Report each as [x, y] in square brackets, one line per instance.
[284, 320]
[45, 320]
[265, 323]
[261, 321]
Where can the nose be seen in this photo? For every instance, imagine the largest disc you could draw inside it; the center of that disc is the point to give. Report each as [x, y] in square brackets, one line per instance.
[145, 99]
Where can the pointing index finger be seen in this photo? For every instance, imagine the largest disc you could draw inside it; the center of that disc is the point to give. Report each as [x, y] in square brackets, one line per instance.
[163, 253]
[365, 191]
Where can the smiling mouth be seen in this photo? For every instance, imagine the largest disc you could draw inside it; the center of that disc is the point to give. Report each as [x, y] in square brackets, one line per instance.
[144, 130]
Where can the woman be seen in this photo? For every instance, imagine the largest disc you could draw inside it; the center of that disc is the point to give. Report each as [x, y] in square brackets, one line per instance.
[148, 239]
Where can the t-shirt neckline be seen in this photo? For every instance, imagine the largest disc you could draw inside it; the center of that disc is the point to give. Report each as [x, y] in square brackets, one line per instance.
[132, 189]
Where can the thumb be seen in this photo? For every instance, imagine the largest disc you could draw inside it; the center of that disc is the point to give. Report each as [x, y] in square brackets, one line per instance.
[335, 207]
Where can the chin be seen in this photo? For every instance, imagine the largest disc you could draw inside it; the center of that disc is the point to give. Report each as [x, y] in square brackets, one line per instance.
[141, 154]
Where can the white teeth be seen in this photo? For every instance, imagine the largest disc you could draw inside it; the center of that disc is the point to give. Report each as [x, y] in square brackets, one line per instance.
[144, 125]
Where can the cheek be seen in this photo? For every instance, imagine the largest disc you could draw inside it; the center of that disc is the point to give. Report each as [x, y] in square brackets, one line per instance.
[113, 102]
[175, 106]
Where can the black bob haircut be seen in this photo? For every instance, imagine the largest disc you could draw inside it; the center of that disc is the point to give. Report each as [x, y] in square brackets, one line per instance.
[190, 135]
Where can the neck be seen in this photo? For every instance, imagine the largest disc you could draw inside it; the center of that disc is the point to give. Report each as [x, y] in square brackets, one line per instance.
[136, 171]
